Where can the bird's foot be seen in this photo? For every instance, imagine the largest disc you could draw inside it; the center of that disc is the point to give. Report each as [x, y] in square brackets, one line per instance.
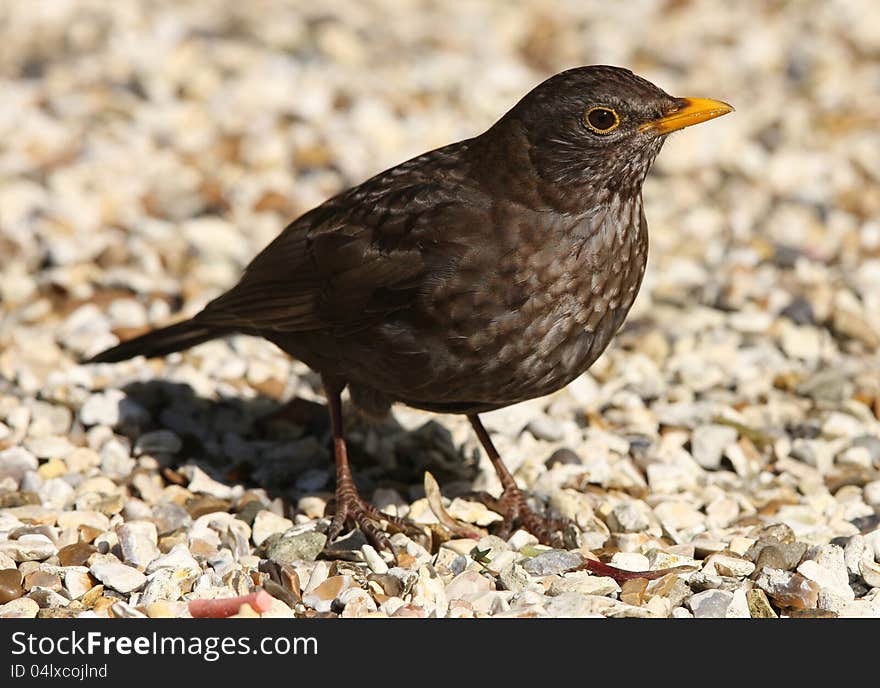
[517, 513]
[356, 512]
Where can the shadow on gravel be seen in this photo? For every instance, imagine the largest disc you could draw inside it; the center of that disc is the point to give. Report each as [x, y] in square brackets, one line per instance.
[285, 448]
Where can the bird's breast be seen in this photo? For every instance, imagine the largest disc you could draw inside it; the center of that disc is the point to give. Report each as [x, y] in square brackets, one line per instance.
[535, 306]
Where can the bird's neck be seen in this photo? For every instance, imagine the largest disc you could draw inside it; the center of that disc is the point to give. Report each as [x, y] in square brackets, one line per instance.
[509, 167]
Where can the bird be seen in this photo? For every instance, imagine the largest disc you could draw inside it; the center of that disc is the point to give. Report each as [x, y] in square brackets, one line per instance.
[469, 278]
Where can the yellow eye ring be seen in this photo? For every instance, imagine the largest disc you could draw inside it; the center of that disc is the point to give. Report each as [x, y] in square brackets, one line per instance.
[602, 119]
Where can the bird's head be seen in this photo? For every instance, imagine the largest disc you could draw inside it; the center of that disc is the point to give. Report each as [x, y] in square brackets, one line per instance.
[596, 130]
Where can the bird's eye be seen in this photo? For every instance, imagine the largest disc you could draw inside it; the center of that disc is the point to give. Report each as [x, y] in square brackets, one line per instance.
[602, 120]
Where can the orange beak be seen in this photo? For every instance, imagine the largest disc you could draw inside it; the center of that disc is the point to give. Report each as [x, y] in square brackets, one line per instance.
[688, 111]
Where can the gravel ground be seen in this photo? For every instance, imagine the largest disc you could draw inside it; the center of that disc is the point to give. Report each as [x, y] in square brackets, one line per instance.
[150, 149]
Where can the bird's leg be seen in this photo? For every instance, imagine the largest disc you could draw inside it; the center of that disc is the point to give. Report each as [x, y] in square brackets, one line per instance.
[351, 508]
[512, 504]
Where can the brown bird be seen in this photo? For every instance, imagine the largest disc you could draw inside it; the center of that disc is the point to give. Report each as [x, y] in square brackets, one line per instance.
[472, 277]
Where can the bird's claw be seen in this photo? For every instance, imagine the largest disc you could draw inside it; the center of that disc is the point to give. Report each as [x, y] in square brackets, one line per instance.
[356, 512]
[513, 507]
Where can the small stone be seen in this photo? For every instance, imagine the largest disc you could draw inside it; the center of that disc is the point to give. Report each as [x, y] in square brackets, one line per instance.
[514, 578]
[48, 599]
[49, 446]
[789, 590]
[300, 547]
[467, 583]
[170, 517]
[167, 584]
[630, 561]
[15, 462]
[179, 558]
[34, 547]
[164, 609]
[53, 468]
[781, 556]
[825, 565]
[670, 587]
[632, 591]
[123, 610]
[520, 539]
[22, 608]
[115, 574]
[321, 597]
[201, 482]
[356, 602]
[112, 408]
[871, 444]
[759, 605]
[78, 582]
[585, 583]
[856, 549]
[207, 504]
[472, 512]
[10, 585]
[138, 542]
[545, 427]
[79, 518]
[554, 561]
[727, 565]
[575, 605]
[374, 561]
[708, 443]
[739, 605]
[870, 572]
[710, 604]
[42, 579]
[267, 523]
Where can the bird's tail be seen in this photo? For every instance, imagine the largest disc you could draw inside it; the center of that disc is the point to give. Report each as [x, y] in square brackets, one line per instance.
[161, 342]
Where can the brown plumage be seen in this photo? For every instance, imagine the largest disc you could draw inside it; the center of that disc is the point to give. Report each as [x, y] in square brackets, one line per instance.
[474, 276]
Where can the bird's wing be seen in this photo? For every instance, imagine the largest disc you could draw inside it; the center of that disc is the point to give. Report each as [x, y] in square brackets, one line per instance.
[358, 257]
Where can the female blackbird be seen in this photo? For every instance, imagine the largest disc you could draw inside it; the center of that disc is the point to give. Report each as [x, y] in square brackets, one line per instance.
[474, 276]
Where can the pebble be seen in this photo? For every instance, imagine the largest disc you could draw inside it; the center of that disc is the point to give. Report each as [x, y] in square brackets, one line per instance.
[138, 542]
[374, 561]
[513, 577]
[201, 482]
[467, 584]
[78, 582]
[708, 443]
[759, 605]
[289, 549]
[22, 608]
[321, 598]
[585, 583]
[34, 547]
[553, 561]
[787, 589]
[178, 558]
[267, 523]
[472, 512]
[15, 462]
[116, 575]
[726, 565]
[170, 517]
[825, 565]
[111, 408]
[10, 585]
[710, 604]
[630, 561]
